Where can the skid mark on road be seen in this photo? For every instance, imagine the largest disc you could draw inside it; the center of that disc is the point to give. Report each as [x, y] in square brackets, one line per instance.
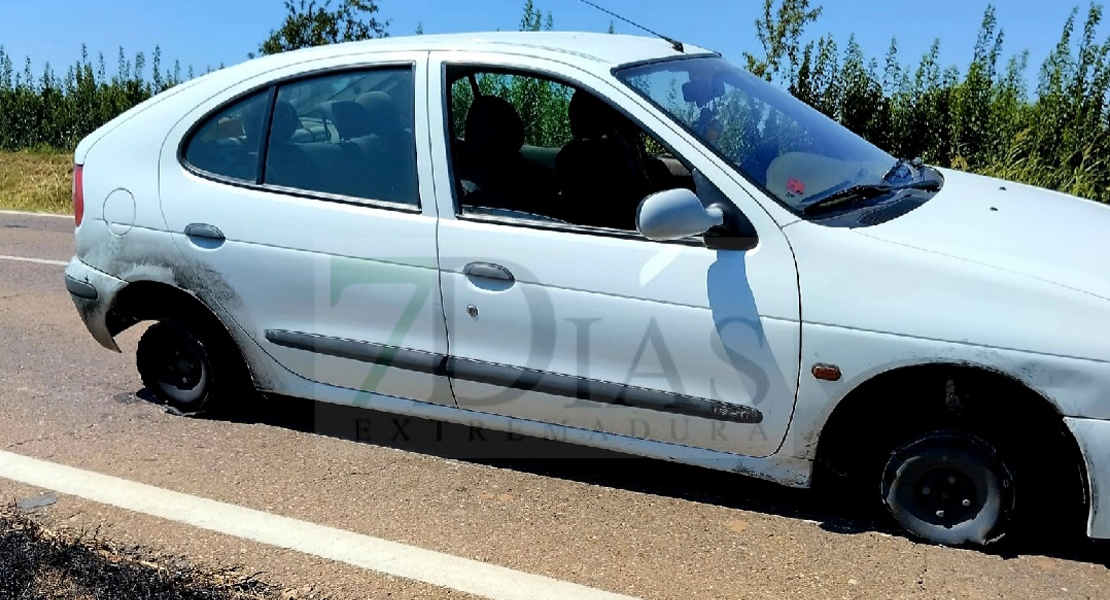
[38, 261]
[390, 558]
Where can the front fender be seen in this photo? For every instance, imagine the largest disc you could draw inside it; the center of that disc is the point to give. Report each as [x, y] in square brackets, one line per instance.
[1074, 387]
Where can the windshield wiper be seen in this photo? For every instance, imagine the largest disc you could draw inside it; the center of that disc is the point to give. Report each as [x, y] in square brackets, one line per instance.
[865, 191]
[849, 194]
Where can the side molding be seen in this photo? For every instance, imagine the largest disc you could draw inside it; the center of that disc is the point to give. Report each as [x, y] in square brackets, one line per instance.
[507, 376]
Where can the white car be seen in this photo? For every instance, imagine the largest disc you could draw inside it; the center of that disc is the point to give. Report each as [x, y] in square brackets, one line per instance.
[616, 241]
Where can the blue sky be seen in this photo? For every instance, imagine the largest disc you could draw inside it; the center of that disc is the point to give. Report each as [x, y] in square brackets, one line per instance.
[207, 32]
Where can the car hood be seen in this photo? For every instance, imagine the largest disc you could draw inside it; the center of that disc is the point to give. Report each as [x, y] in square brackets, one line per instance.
[1035, 232]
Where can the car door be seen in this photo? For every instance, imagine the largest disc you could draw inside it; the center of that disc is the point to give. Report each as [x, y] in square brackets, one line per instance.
[302, 204]
[600, 329]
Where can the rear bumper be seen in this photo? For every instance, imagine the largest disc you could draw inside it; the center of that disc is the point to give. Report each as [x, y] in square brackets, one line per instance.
[93, 293]
[1093, 437]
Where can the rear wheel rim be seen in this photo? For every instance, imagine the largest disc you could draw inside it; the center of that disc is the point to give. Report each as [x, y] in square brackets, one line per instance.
[183, 371]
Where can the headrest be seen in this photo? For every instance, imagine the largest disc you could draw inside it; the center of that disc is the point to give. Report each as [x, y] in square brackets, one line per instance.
[286, 122]
[382, 111]
[351, 120]
[702, 91]
[493, 126]
[249, 125]
[590, 117]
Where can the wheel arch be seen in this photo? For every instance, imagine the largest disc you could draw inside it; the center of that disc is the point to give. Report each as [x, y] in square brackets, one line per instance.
[151, 300]
[933, 388]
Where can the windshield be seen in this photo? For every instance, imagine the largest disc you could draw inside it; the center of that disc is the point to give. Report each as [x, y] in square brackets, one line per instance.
[793, 151]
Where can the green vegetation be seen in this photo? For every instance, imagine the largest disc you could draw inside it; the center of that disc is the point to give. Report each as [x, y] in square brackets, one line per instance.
[542, 105]
[306, 25]
[55, 111]
[979, 119]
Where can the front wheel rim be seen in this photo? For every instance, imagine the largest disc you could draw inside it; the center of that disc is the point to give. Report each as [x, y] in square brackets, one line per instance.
[950, 489]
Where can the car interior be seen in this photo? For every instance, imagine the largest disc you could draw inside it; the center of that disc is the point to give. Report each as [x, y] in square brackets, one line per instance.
[353, 137]
[227, 144]
[366, 151]
[348, 135]
[597, 178]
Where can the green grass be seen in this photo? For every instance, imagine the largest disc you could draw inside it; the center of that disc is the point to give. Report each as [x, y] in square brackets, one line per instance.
[37, 181]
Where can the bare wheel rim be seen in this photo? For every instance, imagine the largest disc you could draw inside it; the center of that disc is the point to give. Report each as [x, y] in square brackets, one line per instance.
[950, 489]
[182, 369]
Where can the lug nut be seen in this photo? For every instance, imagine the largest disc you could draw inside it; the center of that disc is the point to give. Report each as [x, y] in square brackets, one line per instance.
[940, 514]
[966, 502]
[926, 490]
[951, 479]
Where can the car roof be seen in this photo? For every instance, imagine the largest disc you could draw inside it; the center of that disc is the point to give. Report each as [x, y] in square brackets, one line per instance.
[611, 49]
[586, 48]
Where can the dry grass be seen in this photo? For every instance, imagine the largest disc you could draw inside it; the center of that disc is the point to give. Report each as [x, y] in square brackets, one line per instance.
[39, 564]
[36, 181]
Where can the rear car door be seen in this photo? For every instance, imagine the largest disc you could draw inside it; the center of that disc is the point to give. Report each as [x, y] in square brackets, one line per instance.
[588, 324]
[302, 205]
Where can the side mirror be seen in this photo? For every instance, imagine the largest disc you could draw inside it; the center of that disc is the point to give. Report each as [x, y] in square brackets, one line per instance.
[674, 215]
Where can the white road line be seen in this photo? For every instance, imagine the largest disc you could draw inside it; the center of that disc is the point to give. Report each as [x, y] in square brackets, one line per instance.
[21, 213]
[40, 261]
[391, 558]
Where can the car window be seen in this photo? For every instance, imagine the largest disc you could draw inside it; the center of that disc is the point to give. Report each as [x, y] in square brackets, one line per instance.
[531, 148]
[347, 134]
[775, 140]
[227, 144]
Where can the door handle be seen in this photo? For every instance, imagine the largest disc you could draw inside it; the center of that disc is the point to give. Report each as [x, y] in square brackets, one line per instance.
[204, 230]
[483, 270]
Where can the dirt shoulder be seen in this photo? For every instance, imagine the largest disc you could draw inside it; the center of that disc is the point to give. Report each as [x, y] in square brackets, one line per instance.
[40, 563]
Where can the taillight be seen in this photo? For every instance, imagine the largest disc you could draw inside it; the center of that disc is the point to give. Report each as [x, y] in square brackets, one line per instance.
[78, 195]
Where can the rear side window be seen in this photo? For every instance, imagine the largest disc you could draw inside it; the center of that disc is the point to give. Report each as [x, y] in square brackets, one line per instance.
[347, 134]
[227, 144]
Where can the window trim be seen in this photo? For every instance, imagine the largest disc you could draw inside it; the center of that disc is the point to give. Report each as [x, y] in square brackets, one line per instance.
[272, 88]
[560, 79]
[663, 59]
[571, 228]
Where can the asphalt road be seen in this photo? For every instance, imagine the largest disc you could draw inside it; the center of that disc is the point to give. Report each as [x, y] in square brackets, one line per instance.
[646, 529]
